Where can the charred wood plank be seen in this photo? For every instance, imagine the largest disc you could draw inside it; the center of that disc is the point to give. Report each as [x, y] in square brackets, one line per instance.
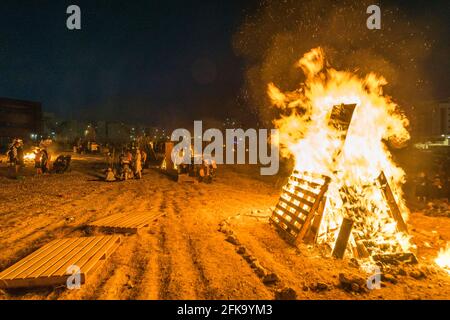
[394, 210]
[342, 240]
[396, 258]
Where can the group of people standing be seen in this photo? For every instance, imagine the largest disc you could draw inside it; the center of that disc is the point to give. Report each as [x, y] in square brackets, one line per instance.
[41, 161]
[436, 187]
[130, 165]
[16, 158]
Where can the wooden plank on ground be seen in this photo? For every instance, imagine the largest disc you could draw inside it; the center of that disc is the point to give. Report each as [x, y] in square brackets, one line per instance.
[48, 266]
[124, 222]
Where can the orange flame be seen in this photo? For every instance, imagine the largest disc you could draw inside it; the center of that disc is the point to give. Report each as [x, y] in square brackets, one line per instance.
[443, 258]
[306, 135]
[29, 156]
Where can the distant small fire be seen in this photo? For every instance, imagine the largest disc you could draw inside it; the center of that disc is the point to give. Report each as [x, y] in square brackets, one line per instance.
[29, 156]
[443, 258]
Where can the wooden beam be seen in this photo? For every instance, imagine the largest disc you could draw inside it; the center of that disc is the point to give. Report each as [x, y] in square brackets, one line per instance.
[393, 207]
[362, 250]
[342, 240]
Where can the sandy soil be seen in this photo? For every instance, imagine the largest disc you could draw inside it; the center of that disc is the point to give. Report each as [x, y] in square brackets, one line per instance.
[184, 253]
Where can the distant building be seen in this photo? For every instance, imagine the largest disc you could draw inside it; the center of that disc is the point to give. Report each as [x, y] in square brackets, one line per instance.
[118, 132]
[100, 129]
[19, 119]
[68, 131]
[156, 133]
[49, 124]
[444, 117]
[432, 119]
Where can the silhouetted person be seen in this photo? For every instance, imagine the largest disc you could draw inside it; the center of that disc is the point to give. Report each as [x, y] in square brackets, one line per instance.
[37, 161]
[422, 187]
[45, 161]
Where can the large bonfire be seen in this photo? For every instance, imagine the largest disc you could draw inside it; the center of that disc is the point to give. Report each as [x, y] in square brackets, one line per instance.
[355, 165]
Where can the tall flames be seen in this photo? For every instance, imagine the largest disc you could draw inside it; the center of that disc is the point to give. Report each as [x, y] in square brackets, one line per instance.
[377, 122]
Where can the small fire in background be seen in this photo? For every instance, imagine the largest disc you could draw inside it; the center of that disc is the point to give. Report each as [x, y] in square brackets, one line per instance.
[30, 156]
[45, 144]
[443, 258]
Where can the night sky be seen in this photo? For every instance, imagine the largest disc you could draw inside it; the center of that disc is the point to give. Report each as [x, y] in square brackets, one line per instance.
[139, 61]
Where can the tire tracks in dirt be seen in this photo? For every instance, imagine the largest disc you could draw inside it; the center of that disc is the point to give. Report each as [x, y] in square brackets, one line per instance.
[202, 282]
[130, 265]
[181, 274]
[132, 271]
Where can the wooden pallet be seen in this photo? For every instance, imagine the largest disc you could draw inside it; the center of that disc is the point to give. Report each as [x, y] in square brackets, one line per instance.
[298, 204]
[299, 211]
[48, 266]
[124, 222]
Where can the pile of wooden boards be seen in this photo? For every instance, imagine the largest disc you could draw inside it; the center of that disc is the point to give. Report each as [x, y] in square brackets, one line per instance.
[54, 263]
[59, 261]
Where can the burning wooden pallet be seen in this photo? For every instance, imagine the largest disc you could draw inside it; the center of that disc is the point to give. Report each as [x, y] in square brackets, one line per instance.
[300, 205]
[51, 265]
[302, 199]
[298, 214]
[124, 222]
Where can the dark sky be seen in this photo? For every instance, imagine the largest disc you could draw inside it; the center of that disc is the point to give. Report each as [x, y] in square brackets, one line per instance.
[141, 61]
[131, 60]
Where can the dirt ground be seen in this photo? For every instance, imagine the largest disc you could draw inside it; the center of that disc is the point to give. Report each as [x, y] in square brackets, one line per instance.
[185, 254]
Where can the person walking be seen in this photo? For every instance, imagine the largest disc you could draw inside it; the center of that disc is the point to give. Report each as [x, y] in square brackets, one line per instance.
[13, 157]
[125, 171]
[144, 159]
[20, 154]
[37, 161]
[45, 166]
[422, 187]
[138, 164]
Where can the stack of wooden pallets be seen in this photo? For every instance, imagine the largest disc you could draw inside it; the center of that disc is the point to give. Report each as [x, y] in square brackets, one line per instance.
[53, 264]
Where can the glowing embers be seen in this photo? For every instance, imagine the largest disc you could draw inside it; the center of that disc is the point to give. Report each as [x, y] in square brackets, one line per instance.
[299, 203]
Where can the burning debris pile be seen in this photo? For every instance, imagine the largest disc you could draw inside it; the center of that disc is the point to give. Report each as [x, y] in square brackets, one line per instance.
[345, 190]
